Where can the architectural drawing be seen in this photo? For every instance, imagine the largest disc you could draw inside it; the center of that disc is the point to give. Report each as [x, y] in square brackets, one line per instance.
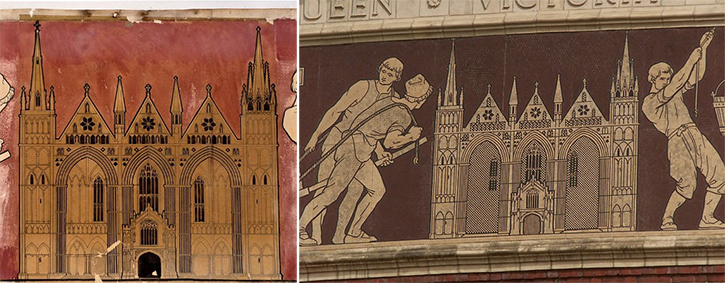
[537, 171]
[187, 199]
[688, 150]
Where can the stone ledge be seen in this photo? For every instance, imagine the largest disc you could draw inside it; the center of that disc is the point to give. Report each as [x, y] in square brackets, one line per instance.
[512, 23]
[146, 15]
[512, 253]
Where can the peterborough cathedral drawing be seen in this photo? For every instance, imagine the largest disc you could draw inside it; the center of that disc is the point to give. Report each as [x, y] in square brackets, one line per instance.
[534, 173]
[143, 198]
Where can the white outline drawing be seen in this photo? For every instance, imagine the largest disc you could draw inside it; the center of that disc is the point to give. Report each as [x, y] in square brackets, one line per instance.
[536, 174]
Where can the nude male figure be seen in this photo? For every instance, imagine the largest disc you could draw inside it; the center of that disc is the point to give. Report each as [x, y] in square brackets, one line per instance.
[687, 148]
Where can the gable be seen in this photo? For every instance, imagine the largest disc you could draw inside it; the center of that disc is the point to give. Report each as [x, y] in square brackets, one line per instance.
[86, 126]
[487, 116]
[147, 121]
[584, 108]
[535, 110]
[208, 126]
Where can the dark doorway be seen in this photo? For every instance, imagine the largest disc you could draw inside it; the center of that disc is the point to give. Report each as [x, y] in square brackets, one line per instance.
[149, 266]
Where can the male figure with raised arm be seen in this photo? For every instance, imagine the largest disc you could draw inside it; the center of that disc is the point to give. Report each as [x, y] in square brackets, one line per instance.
[687, 148]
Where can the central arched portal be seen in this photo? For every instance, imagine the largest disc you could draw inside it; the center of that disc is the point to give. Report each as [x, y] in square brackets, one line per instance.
[149, 266]
[532, 224]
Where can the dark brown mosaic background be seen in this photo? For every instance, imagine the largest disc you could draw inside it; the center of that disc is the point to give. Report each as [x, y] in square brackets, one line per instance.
[404, 212]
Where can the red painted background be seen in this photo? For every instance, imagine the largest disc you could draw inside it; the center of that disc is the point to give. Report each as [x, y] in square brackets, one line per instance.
[200, 53]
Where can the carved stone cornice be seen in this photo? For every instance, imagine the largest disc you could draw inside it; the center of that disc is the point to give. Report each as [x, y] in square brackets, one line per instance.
[658, 14]
[512, 253]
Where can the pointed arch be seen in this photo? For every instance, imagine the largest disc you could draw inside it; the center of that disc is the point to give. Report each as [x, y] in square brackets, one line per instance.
[483, 202]
[448, 226]
[526, 142]
[626, 216]
[98, 194]
[439, 223]
[591, 134]
[479, 139]
[142, 157]
[218, 155]
[201, 246]
[616, 216]
[91, 153]
[581, 210]
[221, 247]
[199, 199]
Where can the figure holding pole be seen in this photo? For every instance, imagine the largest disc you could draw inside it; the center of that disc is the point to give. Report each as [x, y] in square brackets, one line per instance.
[388, 122]
[687, 148]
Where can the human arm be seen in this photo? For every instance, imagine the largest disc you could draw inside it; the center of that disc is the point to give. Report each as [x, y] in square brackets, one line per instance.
[682, 76]
[385, 157]
[397, 139]
[352, 96]
[6, 92]
[701, 65]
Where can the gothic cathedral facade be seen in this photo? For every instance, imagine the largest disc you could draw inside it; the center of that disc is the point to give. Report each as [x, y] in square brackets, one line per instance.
[537, 173]
[143, 199]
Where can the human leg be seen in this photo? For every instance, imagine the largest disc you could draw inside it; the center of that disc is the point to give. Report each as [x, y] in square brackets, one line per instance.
[711, 166]
[682, 170]
[346, 165]
[326, 166]
[370, 177]
[347, 207]
[668, 222]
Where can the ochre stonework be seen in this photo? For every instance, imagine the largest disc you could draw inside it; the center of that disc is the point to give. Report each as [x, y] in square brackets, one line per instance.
[147, 198]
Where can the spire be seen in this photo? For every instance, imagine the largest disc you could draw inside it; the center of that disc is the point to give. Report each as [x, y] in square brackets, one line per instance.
[558, 97]
[119, 105]
[514, 98]
[626, 71]
[37, 82]
[22, 98]
[176, 107]
[450, 91]
[440, 93]
[460, 99]
[513, 103]
[86, 89]
[488, 89]
[148, 89]
[636, 86]
[258, 76]
[51, 98]
[208, 90]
